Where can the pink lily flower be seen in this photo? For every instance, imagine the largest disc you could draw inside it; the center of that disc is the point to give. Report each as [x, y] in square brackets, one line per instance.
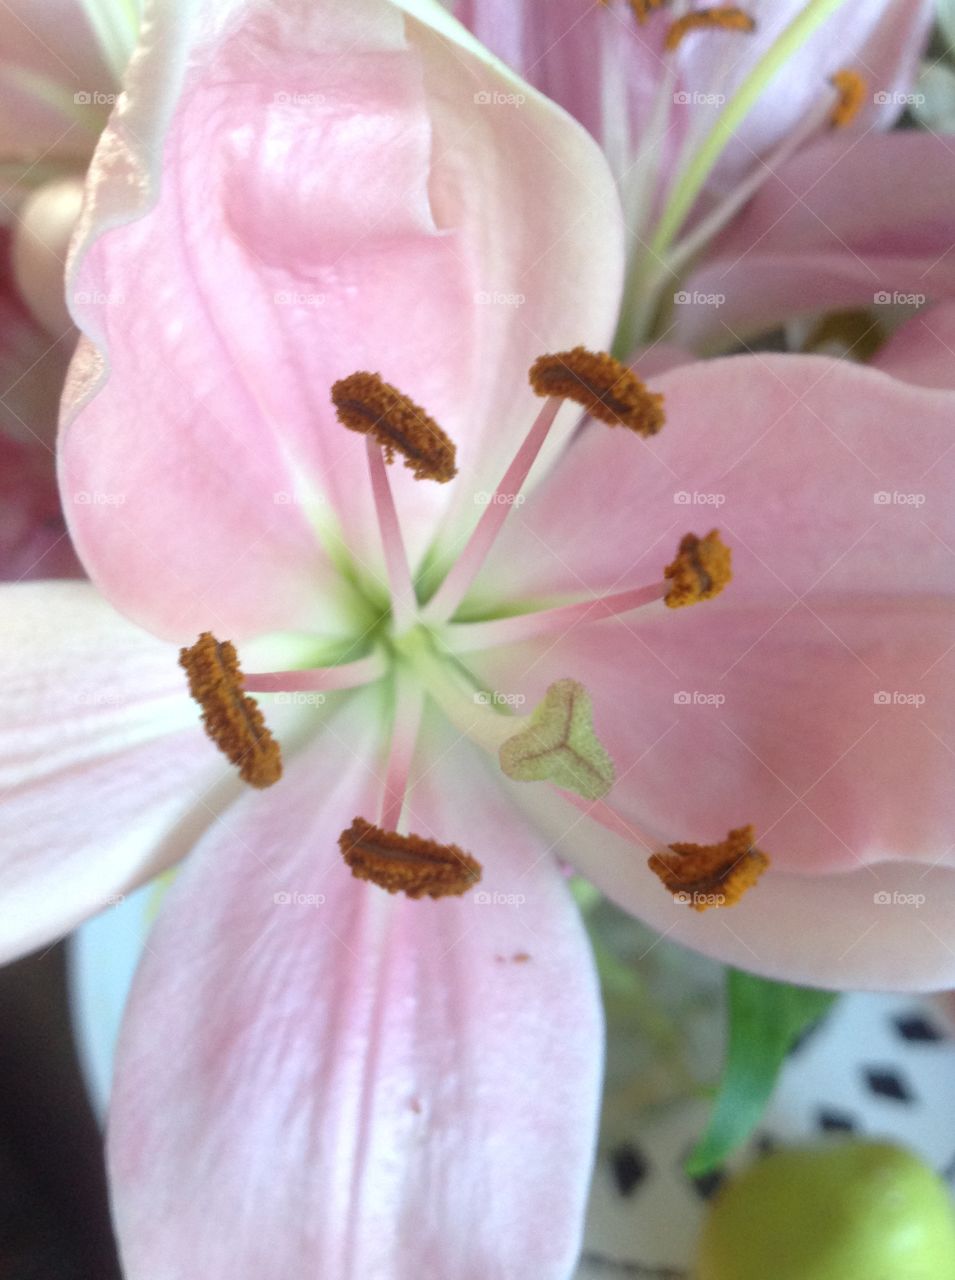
[789, 105]
[317, 1076]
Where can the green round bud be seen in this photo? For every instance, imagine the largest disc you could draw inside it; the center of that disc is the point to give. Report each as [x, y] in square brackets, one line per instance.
[848, 1211]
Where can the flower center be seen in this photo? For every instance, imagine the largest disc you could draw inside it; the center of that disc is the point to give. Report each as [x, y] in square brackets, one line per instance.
[419, 644]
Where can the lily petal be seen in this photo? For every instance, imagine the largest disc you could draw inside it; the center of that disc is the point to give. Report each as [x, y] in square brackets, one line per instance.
[345, 186]
[100, 760]
[425, 1075]
[848, 222]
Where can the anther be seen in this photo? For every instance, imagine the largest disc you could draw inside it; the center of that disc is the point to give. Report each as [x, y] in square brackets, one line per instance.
[367, 404]
[409, 864]
[851, 90]
[724, 19]
[232, 719]
[701, 570]
[711, 875]
[607, 389]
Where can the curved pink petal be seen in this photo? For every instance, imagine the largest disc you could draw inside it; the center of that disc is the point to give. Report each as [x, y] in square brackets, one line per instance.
[804, 462]
[884, 928]
[848, 222]
[814, 697]
[425, 1073]
[101, 760]
[343, 186]
[922, 350]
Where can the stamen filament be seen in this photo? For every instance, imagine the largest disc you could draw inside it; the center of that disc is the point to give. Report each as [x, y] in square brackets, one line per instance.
[468, 636]
[452, 591]
[409, 705]
[404, 604]
[349, 675]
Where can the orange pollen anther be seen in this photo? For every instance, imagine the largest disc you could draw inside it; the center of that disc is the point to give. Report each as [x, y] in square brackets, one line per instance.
[725, 19]
[232, 719]
[701, 570]
[711, 875]
[366, 403]
[607, 389]
[407, 864]
[851, 88]
[641, 8]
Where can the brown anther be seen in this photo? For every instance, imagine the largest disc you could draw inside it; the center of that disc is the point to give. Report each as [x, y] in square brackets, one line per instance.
[607, 389]
[851, 90]
[407, 864]
[366, 403]
[701, 570]
[232, 719]
[711, 875]
[727, 18]
[641, 8]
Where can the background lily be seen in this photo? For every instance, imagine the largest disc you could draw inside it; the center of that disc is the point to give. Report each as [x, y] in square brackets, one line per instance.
[693, 128]
[60, 67]
[300, 174]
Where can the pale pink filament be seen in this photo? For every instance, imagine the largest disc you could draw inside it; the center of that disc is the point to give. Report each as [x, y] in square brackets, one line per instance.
[404, 604]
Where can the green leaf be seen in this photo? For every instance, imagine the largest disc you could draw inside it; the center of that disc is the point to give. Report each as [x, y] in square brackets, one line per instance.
[765, 1019]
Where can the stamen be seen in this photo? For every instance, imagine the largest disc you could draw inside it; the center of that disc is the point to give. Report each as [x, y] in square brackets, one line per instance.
[700, 571]
[407, 864]
[641, 8]
[560, 745]
[711, 875]
[232, 719]
[404, 601]
[349, 675]
[851, 88]
[607, 389]
[371, 406]
[725, 19]
[467, 636]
